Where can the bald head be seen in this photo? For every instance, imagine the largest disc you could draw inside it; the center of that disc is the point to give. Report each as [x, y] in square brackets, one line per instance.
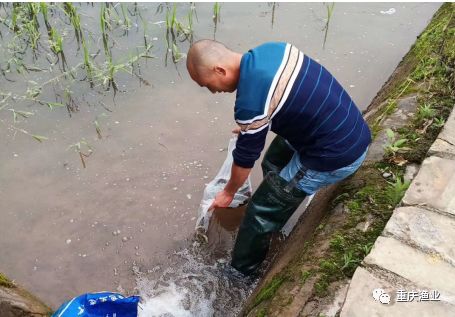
[204, 54]
[212, 63]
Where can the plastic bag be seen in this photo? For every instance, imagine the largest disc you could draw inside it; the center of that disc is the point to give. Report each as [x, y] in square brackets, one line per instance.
[217, 185]
[104, 304]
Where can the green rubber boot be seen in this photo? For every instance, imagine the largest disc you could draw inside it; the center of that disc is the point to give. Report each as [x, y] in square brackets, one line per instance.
[267, 212]
[277, 156]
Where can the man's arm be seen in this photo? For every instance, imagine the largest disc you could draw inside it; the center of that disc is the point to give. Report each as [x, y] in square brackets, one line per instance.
[238, 177]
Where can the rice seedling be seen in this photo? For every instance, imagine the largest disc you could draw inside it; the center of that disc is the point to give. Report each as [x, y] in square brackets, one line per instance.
[33, 34]
[89, 67]
[33, 11]
[55, 41]
[273, 4]
[83, 149]
[97, 124]
[44, 12]
[53, 105]
[126, 19]
[37, 137]
[107, 76]
[18, 113]
[177, 28]
[216, 17]
[171, 17]
[5, 98]
[329, 8]
[144, 27]
[34, 90]
[14, 17]
[216, 12]
[191, 13]
[105, 25]
[70, 102]
[75, 19]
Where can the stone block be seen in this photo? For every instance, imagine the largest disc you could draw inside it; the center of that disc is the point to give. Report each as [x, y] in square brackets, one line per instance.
[443, 149]
[360, 303]
[427, 230]
[422, 269]
[444, 145]
[434, 185]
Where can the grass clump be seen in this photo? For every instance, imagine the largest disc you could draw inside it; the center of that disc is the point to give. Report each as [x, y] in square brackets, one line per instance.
[269, 289]
[5, 282]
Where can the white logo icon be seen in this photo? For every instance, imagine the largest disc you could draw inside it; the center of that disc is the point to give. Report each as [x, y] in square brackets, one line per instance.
[380, 295]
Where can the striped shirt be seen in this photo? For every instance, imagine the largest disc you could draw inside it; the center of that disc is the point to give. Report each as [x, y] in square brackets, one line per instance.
[283, 90]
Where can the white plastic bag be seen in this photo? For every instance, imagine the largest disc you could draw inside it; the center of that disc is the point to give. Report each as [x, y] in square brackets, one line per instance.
[217, 185]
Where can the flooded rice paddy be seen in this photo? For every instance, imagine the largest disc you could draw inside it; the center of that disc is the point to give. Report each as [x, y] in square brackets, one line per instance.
[107, 143]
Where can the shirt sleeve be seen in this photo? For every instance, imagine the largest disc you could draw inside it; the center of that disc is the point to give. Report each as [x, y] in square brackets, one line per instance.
[251, 141]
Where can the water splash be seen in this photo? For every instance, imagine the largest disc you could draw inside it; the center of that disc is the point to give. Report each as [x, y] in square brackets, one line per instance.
[194, 285]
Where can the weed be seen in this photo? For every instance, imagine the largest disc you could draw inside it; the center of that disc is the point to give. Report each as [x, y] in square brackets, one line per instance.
[367, 248]
[5, 282]
[320, 288]
[305, 276]
[349, 261]
[439, 122]
[396, 190]
[269, 290]
[394, 145]
[425, 111]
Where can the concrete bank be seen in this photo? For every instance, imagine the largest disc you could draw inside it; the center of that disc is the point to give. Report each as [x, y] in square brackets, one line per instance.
[17, 302]
[413, 261]
[342, 239]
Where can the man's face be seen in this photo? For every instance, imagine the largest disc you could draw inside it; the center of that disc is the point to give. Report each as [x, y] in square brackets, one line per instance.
[215, 80]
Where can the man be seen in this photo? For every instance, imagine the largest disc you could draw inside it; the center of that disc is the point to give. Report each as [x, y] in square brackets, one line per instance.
[321, 135]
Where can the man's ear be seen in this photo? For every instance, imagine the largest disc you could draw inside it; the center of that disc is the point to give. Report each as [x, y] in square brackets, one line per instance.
[220, 70]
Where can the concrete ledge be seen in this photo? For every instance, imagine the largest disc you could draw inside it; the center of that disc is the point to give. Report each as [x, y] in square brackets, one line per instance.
[434, 185]
[360, 303]
[16, 302]
[444, 146]
[426, 230]
[427, 271]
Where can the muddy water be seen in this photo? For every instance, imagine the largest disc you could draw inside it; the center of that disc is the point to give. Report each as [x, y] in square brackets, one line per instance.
[126, 221]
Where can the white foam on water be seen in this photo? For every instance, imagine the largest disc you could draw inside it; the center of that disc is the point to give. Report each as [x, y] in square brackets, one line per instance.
[191, 287]
[169, 302]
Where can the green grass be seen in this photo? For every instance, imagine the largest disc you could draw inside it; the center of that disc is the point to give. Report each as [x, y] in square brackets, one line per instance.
[269, 289]
[4, 281]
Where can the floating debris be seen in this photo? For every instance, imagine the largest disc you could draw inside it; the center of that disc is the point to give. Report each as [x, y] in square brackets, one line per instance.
[389, 12]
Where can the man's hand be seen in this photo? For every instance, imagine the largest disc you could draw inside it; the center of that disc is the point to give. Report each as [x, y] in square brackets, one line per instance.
[236, 130]
[222, 200]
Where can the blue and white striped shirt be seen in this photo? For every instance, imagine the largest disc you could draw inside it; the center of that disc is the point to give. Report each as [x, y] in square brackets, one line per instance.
[283, 90]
